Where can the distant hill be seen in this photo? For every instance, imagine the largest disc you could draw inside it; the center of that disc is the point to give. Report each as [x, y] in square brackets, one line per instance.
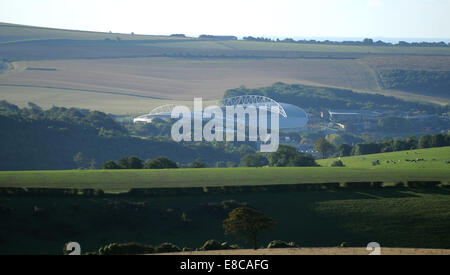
[414, 159]
[16, 33]
[83, 69]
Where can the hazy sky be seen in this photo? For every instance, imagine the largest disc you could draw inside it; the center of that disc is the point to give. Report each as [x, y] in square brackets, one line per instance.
[291, 18]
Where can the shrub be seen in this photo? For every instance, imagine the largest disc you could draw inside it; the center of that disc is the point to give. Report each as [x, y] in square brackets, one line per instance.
[281, 244]
[377, 184]
[126, 249]
[198, 164]
[331, 185]
[337, 163]
[111, 164]
[167, 248]
[423, 184]
[254, 160]
[160, 163]
[399, 184]
[211, 245]
[357, 184]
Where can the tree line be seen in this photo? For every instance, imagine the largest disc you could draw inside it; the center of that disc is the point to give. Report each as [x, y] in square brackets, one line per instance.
[326, 148]
[364, 42]
[134, 162]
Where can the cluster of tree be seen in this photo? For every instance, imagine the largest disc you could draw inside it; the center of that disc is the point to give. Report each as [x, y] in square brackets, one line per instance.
[324, 98]
[429, 82]
[364, 42]
[32, 138]
[217, 37]
[326, 148]
[134, 162]
[284, 156]
[395, 124]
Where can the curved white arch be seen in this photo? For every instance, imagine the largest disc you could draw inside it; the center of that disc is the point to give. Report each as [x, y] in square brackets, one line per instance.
[252, 100]
[163, 109]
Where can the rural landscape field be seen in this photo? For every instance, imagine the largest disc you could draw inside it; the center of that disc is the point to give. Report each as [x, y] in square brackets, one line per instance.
[90, 154]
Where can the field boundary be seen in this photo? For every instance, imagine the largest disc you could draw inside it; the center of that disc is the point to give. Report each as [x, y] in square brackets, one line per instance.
[182, 191]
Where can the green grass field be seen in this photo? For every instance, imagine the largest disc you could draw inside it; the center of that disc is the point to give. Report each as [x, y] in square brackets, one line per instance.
[123, 180]
[433, 158]
[392, 217]
[358, 168]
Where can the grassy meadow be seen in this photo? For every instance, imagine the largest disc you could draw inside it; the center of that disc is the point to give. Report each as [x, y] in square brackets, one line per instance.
[123, 180]
[438, 158]
[434, 167]
[393, 217]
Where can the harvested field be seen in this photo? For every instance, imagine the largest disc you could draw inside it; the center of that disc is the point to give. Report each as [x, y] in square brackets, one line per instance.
[183, 78]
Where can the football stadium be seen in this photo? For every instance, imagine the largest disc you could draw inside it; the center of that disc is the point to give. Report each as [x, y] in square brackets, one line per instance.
[290, 116]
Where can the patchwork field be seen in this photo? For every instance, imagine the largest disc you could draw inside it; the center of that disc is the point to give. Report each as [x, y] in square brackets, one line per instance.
[132, 73]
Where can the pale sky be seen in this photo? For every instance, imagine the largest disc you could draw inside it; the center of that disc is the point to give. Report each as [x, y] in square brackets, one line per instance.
[283, 18]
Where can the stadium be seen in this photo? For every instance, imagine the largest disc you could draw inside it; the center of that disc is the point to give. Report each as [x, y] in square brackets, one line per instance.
[290, 116]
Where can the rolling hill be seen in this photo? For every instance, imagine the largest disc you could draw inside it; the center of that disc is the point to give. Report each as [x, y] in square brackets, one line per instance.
[84, 69]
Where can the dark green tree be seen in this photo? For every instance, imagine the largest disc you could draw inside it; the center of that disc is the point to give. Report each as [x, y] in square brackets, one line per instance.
[412, 142]
[248, 223]
[254, 160]
[123, 163]
[324, 147]
[135, 163]
[198, 164]
[160, 163]
[111, 164]
[344, 150]
[426, 141]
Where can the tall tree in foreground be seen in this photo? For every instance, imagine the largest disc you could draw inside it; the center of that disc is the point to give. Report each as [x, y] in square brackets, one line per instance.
[248, 223]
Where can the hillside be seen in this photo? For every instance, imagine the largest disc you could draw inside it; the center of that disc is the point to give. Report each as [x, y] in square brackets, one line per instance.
[393, 217]
[413, 159]
[85, 69]
[16, 33]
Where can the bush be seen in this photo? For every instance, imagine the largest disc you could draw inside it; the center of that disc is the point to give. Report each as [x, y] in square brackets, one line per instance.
[423, 184]
[211, 245]
[281, 244]
[357, 184]
[331, 185]
[377, 184]
[126, 249]
[337, 163]
[198, 164]
[399, 184]
[167, 248]
[111, 164]
[160, 163]
[254, 160]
